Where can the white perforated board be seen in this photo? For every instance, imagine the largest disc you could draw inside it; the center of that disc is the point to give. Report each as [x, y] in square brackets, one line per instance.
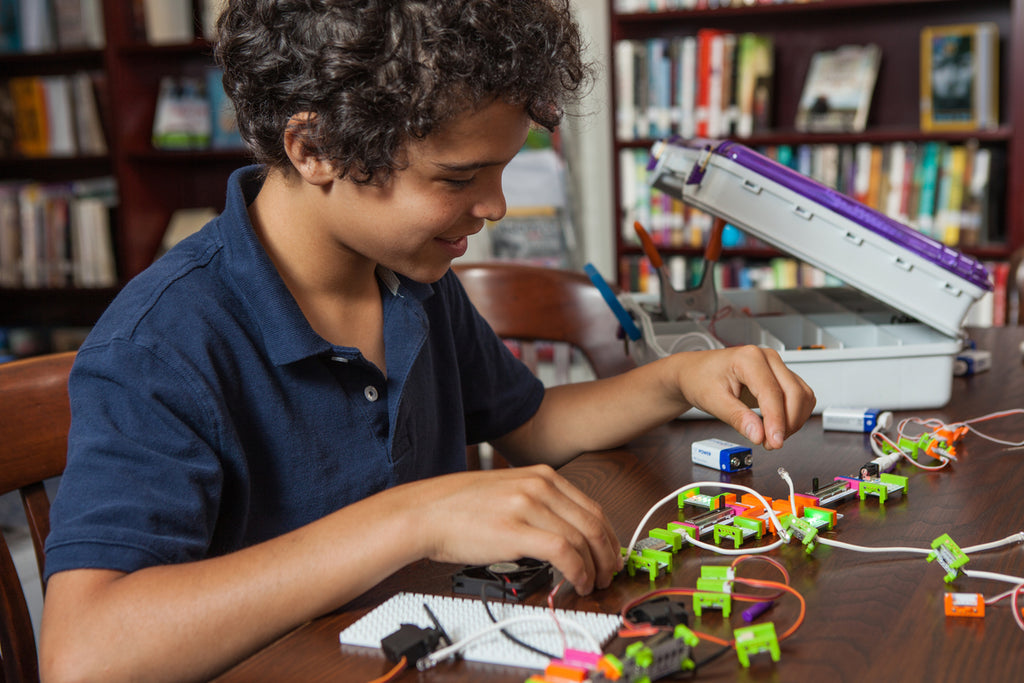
[463, 617]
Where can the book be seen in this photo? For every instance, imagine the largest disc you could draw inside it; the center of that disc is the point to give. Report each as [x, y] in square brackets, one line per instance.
[625, 113]
[659, 88]
[210, 11]
[755, 58]
[182, 120]
[78, 24]
[91, 240]
[60, 121]
[183, 223]
[708, 90]
[224, 133]
[960, 77]
[92, 139]
[686, 86]
[950, 201]
[10, 25]
[30, 123]
[10, 236]
[838, 89]
[931, 157]
[730, 110]
[36, 26]
[976, 174]
[168, 22]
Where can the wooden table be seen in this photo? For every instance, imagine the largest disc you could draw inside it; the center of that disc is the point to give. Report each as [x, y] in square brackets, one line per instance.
[869, 617]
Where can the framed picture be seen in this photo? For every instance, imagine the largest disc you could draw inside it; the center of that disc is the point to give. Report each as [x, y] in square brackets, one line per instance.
[838, 89]
[960, 77]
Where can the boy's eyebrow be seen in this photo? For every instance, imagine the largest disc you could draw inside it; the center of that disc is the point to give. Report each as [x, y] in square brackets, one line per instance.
[467, 166]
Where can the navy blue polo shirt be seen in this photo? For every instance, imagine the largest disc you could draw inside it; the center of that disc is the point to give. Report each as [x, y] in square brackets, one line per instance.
[207, 415]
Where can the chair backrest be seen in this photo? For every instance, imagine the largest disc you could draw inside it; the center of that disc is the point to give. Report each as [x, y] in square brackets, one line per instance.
[34, 421]
[529, 304]
[533, 303]
[1015, 285]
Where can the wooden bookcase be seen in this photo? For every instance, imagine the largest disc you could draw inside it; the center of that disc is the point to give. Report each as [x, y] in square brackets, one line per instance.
[801, 29]
[152, 183]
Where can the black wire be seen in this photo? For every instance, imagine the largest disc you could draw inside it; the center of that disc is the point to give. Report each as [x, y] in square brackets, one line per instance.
[710, 658]
[531, 648]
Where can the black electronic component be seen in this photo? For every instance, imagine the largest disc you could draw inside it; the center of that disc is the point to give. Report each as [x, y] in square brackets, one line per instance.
[505, 580]
[410, 641]
[659, 612]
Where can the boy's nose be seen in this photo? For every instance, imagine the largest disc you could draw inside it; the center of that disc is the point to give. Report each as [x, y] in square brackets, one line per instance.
[491, 205]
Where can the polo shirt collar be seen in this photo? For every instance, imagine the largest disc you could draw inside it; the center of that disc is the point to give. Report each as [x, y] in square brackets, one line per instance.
[286, 333]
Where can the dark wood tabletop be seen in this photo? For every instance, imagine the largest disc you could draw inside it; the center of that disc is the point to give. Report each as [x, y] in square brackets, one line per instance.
[873, 617]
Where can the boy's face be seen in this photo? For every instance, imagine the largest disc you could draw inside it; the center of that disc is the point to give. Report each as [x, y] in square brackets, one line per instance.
[421, 219]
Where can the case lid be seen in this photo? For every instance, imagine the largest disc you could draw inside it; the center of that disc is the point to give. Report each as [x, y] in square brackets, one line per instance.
[679, 168]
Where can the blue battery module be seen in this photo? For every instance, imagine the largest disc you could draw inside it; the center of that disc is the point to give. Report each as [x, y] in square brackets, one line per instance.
[722, 455]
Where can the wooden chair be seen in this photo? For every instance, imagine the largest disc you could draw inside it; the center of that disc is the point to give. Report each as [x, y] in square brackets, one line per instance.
[1015, 284]
[33, 446]
[532, 304]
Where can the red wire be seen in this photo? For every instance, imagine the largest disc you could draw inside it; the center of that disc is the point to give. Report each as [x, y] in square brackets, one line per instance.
[1015, 608]
[631, 629]
[554, 616]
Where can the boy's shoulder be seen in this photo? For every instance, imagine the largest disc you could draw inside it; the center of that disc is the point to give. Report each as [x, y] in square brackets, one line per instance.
[169, 289]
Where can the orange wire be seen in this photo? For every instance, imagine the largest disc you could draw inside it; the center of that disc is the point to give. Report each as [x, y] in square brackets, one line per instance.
[399, 668]
[631, 630]
[789, 589]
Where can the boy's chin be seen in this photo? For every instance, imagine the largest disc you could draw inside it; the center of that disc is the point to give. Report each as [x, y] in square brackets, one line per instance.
[425, 275]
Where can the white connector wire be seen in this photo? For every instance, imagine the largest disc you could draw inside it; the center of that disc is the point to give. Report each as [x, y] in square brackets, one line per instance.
[992, 545]
[434, 658]
[783, 535]
[992, 576]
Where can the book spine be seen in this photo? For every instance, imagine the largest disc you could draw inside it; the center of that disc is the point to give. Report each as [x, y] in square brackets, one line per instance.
[625, 116]
[32, 136]
[687, 87]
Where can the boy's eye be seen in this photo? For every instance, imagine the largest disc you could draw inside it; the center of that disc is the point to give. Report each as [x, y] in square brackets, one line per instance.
[457, 183]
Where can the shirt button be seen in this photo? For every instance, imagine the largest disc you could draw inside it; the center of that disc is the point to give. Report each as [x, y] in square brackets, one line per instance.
[370, 392]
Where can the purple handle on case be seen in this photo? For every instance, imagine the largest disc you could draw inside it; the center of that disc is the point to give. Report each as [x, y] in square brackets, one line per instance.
[966, 267]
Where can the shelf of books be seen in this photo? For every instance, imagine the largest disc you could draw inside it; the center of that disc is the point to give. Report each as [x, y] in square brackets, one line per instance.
[103, 103]
[911, 107]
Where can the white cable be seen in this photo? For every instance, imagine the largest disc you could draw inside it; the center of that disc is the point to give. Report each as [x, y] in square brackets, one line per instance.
[792, 491]
[1009, 540]
[867, 549]
[694, 341]
[993, 576]
[737, 551]
[768, 508]
[432, 659]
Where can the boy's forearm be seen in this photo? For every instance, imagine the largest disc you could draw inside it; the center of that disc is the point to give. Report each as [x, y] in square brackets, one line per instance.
[590, 416]
[725, 383]
[191, 621]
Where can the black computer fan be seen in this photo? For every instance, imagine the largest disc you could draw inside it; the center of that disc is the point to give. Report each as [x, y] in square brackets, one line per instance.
[504, 580]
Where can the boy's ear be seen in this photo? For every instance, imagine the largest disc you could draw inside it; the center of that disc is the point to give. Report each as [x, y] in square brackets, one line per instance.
[312, 168]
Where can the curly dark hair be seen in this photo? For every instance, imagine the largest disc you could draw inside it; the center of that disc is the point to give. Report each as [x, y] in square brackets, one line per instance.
[376, 74]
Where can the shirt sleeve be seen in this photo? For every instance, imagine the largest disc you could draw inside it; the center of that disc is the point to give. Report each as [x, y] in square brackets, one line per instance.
[142, 484]
[499, 392]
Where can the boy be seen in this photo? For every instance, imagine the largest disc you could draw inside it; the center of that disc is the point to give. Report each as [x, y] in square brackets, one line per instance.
[274, 416]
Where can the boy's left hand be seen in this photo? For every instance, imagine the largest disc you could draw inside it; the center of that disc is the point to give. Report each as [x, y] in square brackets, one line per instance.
[728, 383]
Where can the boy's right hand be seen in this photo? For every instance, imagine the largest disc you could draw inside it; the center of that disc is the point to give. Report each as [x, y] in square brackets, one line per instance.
[485, 517]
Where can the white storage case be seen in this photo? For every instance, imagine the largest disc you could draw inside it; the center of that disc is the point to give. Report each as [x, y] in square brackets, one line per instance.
[887, 340]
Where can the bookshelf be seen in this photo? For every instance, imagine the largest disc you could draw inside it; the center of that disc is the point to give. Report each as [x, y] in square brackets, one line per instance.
[801, 29]
[151, 183]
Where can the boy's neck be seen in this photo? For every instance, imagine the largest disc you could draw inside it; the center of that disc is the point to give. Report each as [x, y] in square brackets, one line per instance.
[336, 289]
